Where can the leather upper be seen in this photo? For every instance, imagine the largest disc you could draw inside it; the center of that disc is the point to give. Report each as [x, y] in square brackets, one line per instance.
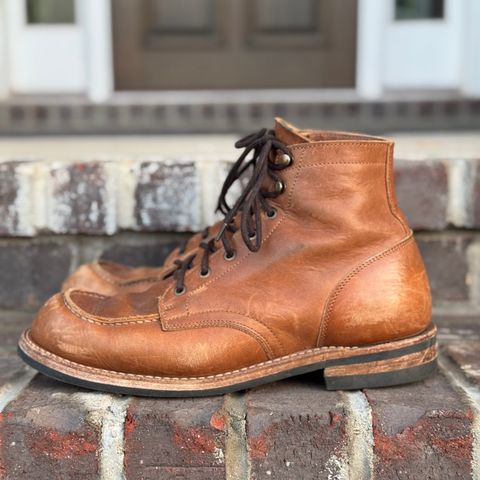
[337, 266]
[111, 278]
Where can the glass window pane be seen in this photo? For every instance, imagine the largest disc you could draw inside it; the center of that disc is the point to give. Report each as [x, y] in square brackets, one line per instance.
[285, 15]
[418, 9]
[50, 11]
[183, 15]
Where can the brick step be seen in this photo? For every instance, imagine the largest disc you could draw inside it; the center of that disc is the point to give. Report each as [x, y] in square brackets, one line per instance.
[34, 268]
[105, 185]
[75, 199]
[290, 429]
[224, 111]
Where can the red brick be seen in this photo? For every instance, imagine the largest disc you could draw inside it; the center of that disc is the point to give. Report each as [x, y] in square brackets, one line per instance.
[422, 190]
[466, 354]
[421, 430]
[445, 257]
[11, 324]
[143, 253]
[15, 201]
[175, 438]
[456, 327]
[167, 197]
[44, 433]
[79, 200]
[294, 430]
[33, 270]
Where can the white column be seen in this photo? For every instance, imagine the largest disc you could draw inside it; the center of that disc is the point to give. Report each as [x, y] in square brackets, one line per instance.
[4, 70]
[372, 19]
[471, 50]
[97, 20]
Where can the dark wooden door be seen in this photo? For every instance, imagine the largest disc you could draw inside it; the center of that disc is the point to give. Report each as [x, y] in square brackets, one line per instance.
[183, 44]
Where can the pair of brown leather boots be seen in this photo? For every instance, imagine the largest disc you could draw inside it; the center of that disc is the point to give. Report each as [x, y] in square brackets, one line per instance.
[314, 268]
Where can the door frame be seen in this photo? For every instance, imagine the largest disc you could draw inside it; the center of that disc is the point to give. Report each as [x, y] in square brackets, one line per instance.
[382, 66]
[373, 20]
[83, 49]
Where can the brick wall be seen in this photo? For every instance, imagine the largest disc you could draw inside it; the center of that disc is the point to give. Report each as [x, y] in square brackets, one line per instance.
[57, 214]
[288, 430]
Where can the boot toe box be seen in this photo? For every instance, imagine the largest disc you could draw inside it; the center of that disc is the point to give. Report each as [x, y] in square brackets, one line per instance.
[57, 329]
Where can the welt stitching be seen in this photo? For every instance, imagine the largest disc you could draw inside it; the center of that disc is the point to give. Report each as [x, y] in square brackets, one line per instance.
[219, 375]
[343, 283]
[274, 361]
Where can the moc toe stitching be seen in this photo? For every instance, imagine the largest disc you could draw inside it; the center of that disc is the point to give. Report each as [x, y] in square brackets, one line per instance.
[79, 312]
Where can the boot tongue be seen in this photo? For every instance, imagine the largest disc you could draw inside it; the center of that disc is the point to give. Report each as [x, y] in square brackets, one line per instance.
[287, 133]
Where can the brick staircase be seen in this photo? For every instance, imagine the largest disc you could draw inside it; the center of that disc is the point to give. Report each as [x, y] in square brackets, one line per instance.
[289, 430]
[66, 201]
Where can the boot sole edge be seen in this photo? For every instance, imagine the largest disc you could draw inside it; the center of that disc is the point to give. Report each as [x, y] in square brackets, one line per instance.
[344, 368]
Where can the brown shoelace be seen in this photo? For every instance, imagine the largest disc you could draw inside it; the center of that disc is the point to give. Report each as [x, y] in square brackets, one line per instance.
[251, 202]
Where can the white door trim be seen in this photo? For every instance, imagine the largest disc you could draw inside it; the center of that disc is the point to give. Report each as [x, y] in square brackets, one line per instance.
[379, 65]
[98, 49]
[371, 26]
[471, 61]
[57, 59]
[4, 76]
[44, 59]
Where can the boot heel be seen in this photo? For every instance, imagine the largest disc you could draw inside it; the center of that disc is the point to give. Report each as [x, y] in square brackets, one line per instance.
[373, 373]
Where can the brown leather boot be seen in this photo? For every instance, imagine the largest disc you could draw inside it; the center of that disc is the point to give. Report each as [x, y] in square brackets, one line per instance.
[322, 274]
[111, 278]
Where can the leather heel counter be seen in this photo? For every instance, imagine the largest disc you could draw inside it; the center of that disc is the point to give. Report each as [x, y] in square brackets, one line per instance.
[385, 298]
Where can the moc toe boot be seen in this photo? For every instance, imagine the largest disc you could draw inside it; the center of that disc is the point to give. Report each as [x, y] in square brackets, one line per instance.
[314, 269]
[111, 278]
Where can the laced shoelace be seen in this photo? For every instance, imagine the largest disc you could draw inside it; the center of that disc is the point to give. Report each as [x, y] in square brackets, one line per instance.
[236, 172]
[249, 205]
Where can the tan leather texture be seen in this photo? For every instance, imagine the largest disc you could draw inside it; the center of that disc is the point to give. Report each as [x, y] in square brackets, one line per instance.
[111, 278]
[337, 266]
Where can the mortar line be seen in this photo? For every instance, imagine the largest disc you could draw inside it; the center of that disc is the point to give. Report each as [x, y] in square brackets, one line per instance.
[15, 385]
[473, 257]
[460, 185]
[359, 431]
[107, 413]
[112, 440]
[471, 393]
[237, 463]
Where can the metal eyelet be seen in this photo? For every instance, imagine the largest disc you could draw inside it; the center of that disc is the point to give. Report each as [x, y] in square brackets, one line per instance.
[279, 186]
[180, 291]
[272, 213]
[229, 258]
[283, 160]
[251, 236]
[206, 274]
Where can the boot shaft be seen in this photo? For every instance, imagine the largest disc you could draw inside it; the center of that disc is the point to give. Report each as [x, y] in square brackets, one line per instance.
[337, 212]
